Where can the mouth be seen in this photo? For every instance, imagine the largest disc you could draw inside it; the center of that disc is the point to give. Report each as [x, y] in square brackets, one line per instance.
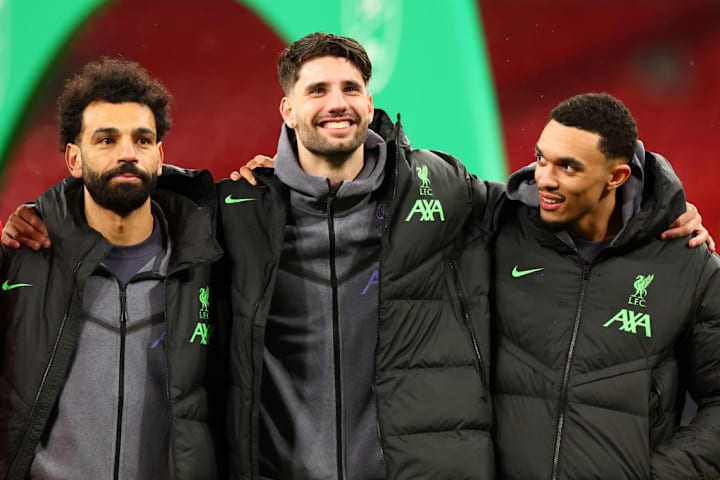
[126, 178]
[549, 201]
[336, 124]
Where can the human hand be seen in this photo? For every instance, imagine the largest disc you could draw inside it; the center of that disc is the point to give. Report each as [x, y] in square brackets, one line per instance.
[246, 170]
[688, 223]
[24, 227]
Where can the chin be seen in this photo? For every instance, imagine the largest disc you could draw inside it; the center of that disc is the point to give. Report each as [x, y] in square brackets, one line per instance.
[553, 223]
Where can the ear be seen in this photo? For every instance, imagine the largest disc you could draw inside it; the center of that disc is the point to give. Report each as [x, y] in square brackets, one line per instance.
[619, 174]
[371, 107]
[287, 112]
[161, 157]
[73, 159]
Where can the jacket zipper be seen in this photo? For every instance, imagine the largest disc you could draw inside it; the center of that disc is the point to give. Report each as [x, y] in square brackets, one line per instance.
[340, 453]
[468, 323]
[121, 380]
[23, 459]
[378, 428]
[21, 463]
[566, 372]
[171, 431]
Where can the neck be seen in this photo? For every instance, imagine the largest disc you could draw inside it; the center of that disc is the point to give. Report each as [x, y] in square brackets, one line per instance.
[603, 224]
[118, 230]
[337, 169]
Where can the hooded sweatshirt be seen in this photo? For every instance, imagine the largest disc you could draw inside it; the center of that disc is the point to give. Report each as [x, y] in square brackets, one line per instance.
[318, 413]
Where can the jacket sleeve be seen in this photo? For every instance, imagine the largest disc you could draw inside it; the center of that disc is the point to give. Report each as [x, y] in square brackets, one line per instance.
[694, 451]
[488, 201]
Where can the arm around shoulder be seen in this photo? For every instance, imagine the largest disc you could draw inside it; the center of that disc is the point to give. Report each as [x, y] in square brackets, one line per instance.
[694, 450]
[488, 203]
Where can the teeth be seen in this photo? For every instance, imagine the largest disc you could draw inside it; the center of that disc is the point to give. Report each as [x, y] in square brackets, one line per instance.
[343, 124]
[550, 201]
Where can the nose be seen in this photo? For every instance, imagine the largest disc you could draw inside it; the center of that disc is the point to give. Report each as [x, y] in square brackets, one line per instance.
[545, 177]
[337, 101]
[127, 151]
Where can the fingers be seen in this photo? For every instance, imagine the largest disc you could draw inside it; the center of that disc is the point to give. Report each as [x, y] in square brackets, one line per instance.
[28, 215]
[7, 240]
[685, 224]
[26, 228]
[263, 161]
[246, 170]
[690, 224]
[702, 236]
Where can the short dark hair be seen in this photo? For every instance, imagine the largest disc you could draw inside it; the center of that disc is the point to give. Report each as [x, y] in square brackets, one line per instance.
[316, 45]
[114, 81]
[602, 114]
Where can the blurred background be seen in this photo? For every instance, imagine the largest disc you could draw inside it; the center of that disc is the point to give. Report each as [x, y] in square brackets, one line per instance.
[475, 78]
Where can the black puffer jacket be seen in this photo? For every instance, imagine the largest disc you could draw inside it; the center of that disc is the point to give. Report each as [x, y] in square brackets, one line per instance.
[39, 325]
[593, 361]
[432, 346]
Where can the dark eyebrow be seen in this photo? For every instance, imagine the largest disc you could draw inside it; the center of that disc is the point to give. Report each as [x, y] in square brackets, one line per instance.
[115, 131]
[352, 83]
[106, 131]
[572, 161]
[315, 85]
[144, 131]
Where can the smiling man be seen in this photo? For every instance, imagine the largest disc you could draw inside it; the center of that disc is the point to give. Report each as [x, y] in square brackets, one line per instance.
[602, 327]
[359, 351]
[101, 373]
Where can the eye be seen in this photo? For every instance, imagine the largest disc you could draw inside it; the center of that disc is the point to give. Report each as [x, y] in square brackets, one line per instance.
[539, 158]
[144, 141]
[106, 140]
[317, 91]
[568, 167]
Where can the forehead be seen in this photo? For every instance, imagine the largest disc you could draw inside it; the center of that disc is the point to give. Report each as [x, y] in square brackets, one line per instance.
[560, 141]
[122, 116]
[329, 69]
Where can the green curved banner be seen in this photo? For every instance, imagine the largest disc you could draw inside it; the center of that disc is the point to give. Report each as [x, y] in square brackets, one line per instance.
[32, 34]
[430, 63]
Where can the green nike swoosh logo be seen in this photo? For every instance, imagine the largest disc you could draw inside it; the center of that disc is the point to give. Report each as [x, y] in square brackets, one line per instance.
[521, 273]
[6, 286]
[230, 200]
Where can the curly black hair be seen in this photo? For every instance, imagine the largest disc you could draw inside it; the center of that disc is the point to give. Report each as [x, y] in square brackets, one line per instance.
[114, 81]
[605, 115]
[317, 45]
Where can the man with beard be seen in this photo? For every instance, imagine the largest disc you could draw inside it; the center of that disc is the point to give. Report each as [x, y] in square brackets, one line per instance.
[358, 351]
[106, 338]
[602, 327]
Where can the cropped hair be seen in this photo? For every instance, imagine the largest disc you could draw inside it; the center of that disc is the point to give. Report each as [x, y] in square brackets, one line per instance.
[113, 81]
[317, 45]
[602, 114]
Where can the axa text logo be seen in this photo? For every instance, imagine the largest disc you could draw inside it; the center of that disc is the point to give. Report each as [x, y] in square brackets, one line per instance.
[629, 320]
[427, 210]
[204, 331]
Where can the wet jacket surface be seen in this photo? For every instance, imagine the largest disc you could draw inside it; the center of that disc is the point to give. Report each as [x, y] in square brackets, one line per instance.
[40, 324]
[593, 360]
[432, 346]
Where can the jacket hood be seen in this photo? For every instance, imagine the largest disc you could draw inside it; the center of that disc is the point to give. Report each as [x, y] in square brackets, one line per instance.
[315, 190]
[652, 198]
